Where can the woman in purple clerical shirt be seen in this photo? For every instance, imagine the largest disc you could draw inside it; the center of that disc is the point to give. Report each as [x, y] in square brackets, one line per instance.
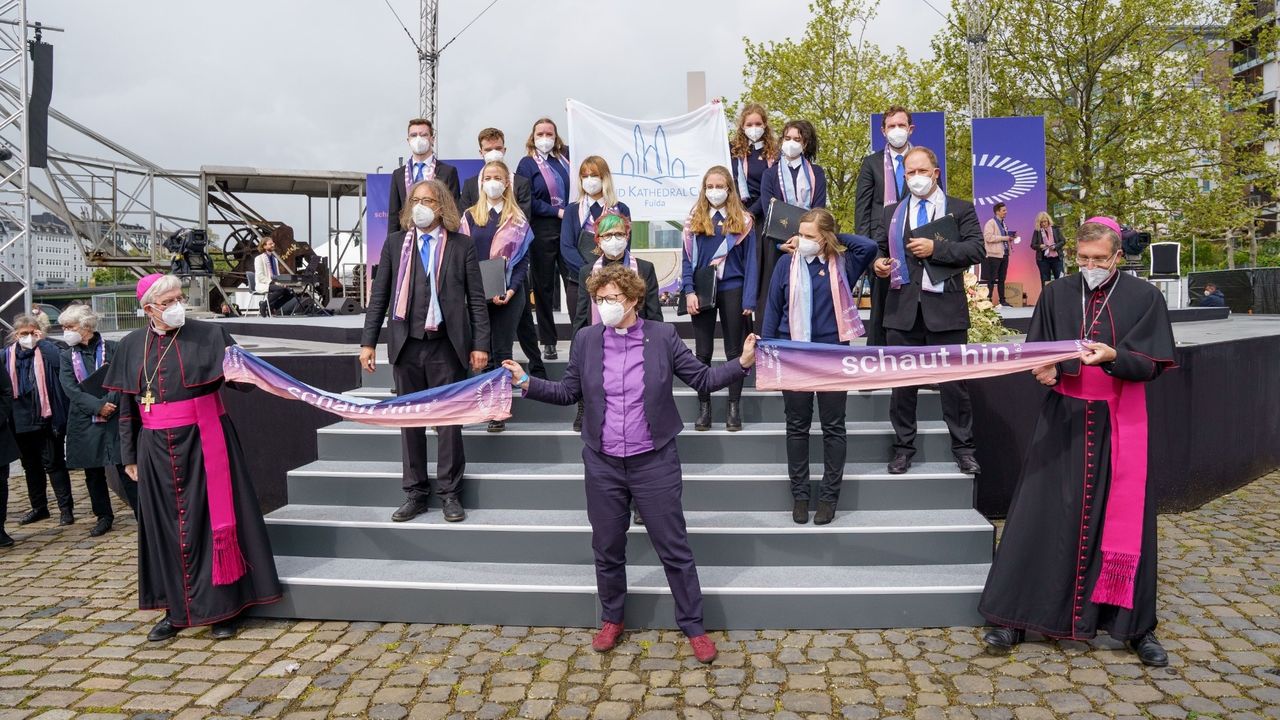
[622, 369]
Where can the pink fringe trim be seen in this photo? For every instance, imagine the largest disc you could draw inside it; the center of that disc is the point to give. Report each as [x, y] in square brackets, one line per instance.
[228, 563]
[1115, 582]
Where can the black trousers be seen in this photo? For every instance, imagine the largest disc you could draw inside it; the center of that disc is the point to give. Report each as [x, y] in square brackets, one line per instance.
[527, 335]
[426, 364]
[44, 461]
[95, 481]
[734, 326]
[503, 321]
[282, 300]
[994, 272]
[768, 259]
[957, 410]
[799, 410]
[876, 334]
[571, 291]
[1050, 268]
[544, 271]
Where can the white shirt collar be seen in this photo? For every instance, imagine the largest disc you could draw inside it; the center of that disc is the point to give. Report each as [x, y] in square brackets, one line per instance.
[497, 205]
[935, 199]
[796, 163]
[757, 145]
[812, 259]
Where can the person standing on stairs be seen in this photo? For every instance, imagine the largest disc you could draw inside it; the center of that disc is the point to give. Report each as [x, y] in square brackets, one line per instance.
[622, 368]
[439, 327]
[810, 300]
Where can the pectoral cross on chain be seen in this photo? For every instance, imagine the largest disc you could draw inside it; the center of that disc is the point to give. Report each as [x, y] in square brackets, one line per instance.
[147, 400]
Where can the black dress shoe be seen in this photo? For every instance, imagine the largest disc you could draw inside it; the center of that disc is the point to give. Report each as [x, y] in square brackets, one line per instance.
[496, 426]
[577, 420]
[453, 511]
[825, 514]
[549, 352]
[704, 416]
[102, 527]
[412, 508]
[34, 516]
[1001, 640]
[733, 419]
[66, 518]
[900, 463]
[162, 631]
[1149, 651]
[800, 511]
[224, 630]
[968, 464]
[5, 540]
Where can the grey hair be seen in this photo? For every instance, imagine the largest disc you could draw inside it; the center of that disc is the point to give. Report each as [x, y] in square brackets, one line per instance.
[81, 316]
[24, 321]
[166, 284]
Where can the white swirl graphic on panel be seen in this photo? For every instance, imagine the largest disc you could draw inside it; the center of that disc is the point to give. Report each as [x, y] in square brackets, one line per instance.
[1022, 177]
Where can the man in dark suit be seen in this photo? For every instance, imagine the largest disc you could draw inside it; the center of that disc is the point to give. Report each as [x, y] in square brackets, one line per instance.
[493, 146]
[430, 281]
[871, 194]
[924, 310]
[422, 165]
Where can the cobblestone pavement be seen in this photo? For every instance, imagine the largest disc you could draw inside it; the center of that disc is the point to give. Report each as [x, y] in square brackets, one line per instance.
[72, 644]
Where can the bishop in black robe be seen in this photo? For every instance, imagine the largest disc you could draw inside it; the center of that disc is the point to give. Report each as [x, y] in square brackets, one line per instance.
[176, 554]
[1050, 556]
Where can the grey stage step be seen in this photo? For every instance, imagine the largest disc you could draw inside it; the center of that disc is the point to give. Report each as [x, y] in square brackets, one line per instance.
[902, 537]
[536, 443]
[561, 595]
[756, 406]
[758, 487]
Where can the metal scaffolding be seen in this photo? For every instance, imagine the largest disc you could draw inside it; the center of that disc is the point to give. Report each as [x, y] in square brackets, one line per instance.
[15, 176]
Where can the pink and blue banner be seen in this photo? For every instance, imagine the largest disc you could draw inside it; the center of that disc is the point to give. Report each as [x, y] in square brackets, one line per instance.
[478, 399]
[787, 365]
[376, 224]
[1009, 167]
[931, 132]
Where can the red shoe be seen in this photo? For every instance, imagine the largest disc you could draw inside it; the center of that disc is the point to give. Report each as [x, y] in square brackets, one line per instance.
[704, 648]
[607, 638]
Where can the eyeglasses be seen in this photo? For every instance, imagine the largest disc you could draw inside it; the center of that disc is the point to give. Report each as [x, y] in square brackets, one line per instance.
[616, 297]
[1093, 262]
[167, 303]
[423, 201]
[613, 236]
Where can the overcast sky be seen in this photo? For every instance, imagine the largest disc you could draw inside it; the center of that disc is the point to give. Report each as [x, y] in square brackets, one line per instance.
[328, 84]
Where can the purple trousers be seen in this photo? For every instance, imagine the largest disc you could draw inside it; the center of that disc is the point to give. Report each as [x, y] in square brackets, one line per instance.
[654, 481]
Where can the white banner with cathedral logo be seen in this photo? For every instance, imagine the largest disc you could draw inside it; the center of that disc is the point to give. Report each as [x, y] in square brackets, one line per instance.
[657, 165]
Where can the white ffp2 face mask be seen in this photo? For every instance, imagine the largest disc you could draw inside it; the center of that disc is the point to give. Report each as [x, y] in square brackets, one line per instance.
[175, 315]
[613, 247]
[27, 341]
[544, 144]
[897, 137]
[754, 132]
[423, 216]
[71, 337]
[1093, 277]
[808, 248]
[494, 156]
[494, 189]
[419, 145]
[920, 185]
[792, 149]
[612, 312]
[592, 185]
[717, 196]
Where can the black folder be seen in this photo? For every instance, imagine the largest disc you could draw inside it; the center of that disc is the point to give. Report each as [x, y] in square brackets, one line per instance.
[704, 284]
[93, 383]
[587, 244]
[782, 221]
[493, 274]
[944, 229]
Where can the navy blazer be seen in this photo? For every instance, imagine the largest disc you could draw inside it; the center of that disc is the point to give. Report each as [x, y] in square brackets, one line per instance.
[541, 197]
[769, 187]
[665, 356]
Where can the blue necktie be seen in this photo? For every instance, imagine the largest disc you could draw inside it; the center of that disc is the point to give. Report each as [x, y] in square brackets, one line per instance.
[417, 172]
[922, 213]
[424, 252]
[274, 270]
[898, 173]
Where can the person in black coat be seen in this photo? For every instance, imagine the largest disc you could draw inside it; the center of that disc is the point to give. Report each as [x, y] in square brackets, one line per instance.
[872, 193]
[8, 452]
[935, 315]
[439, 326]
[39, 417]
[422, 165]
[1047, 243]
[1213, 297]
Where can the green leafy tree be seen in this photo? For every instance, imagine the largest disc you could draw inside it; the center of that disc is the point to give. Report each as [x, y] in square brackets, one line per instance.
[835, 77]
